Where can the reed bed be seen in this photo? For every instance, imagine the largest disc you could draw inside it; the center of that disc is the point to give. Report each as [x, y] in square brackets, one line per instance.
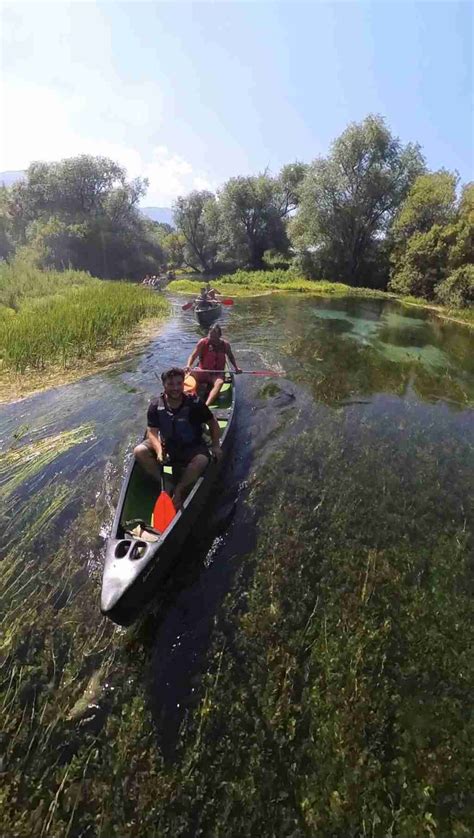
[57, 318]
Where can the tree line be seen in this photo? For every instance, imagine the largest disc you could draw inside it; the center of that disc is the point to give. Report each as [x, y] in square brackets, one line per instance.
[368, 214]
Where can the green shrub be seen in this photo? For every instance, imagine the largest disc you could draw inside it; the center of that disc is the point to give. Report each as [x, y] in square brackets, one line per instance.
[457, 290]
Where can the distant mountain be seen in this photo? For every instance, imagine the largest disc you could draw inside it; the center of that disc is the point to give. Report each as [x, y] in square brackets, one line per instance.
[163, 214]
[8, 178]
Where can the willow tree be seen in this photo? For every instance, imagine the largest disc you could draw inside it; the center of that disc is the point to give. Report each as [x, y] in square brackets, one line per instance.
[197, 220]
[349, 200]
[253, 212]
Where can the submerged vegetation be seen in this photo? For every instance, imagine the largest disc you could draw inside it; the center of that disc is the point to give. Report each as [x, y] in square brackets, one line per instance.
[337, 694]
[58, 318]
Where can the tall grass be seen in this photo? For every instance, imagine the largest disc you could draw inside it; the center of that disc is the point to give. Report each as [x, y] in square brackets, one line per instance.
[51, 318]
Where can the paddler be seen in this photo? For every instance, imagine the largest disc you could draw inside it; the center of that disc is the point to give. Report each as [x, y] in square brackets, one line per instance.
[212, 353]
[174, 423]
[202, 301]
[211, 293]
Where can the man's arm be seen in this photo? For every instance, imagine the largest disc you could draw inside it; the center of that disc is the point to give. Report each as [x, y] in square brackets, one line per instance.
[192, 357]
[215, 431]
[154, 437]
[232, 360]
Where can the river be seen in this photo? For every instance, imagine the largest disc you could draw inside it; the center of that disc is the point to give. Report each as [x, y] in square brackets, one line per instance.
[365, 382]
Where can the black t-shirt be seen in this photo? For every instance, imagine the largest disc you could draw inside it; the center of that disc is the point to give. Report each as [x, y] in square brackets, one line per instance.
[198, 411]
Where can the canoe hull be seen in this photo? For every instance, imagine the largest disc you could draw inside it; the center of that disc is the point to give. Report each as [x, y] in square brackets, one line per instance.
[207, 316]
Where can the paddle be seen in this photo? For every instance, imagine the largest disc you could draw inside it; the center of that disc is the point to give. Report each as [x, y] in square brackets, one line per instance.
[242, 372]
[164, 511]
[226, 302]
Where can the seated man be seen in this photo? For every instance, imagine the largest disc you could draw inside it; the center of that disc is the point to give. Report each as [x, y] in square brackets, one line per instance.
[212, 293]
[202, 301]
[212, 352]
[175, 428]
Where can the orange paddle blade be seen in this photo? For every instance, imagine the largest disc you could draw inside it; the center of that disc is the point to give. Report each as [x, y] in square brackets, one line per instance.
[190, 384]
[163, 513]
[227, 302]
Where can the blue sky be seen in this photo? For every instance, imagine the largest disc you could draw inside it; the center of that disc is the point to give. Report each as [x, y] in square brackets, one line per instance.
[191, 94]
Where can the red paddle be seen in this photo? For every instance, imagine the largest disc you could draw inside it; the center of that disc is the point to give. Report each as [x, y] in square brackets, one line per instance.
[242, 372]
[164, 511]
[226, 302]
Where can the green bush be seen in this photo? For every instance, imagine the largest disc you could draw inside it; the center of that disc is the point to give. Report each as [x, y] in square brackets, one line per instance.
[457, 290]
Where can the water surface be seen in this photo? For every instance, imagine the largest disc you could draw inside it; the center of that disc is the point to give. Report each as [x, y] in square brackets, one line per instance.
[367, 381]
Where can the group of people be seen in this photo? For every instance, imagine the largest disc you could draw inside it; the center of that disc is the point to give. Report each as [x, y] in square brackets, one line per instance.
[175, 418]
[154, 281]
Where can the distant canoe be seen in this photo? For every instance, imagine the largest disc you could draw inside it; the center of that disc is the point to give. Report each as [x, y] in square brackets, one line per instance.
[206, 316]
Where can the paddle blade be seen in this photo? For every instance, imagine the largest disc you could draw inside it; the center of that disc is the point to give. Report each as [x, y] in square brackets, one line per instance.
[187, 306]
[163, 512]
[190, 385]
[227, 302]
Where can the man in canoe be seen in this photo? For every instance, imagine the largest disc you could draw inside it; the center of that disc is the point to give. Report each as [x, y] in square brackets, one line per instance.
[211, 293]
[203, 301]
[212, 353]
[175, 422]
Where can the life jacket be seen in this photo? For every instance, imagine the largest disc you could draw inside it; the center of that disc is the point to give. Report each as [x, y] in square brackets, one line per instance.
[175, 426]
[210, 357]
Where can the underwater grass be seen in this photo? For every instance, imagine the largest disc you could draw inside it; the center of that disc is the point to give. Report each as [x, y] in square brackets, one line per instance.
[338, 690]
[20, 463]
[75, 318]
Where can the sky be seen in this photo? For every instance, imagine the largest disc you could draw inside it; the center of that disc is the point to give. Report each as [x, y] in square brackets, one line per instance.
[190, 94]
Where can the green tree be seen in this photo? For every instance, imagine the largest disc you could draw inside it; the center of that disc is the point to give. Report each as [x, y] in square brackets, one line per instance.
[433, 241]
[7, 245]
[252, 212]
[173, 245]
[348, 200]
[196, 219]
[82, 212]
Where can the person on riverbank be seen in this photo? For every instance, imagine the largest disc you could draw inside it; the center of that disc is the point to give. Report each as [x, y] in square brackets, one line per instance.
[174, 428]
[212, 352]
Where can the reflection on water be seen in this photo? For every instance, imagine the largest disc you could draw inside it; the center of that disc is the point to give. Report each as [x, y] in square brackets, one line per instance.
[77, 690]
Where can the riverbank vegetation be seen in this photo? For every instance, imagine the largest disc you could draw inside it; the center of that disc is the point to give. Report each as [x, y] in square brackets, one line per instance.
[254, 283]
[59, 318]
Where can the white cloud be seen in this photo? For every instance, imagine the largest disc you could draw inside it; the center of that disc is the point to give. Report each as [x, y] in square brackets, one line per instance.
[41, 123]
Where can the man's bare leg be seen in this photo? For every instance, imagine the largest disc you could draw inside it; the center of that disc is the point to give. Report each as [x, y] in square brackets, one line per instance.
[148, 460]
[215, 391]
[193, 470]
